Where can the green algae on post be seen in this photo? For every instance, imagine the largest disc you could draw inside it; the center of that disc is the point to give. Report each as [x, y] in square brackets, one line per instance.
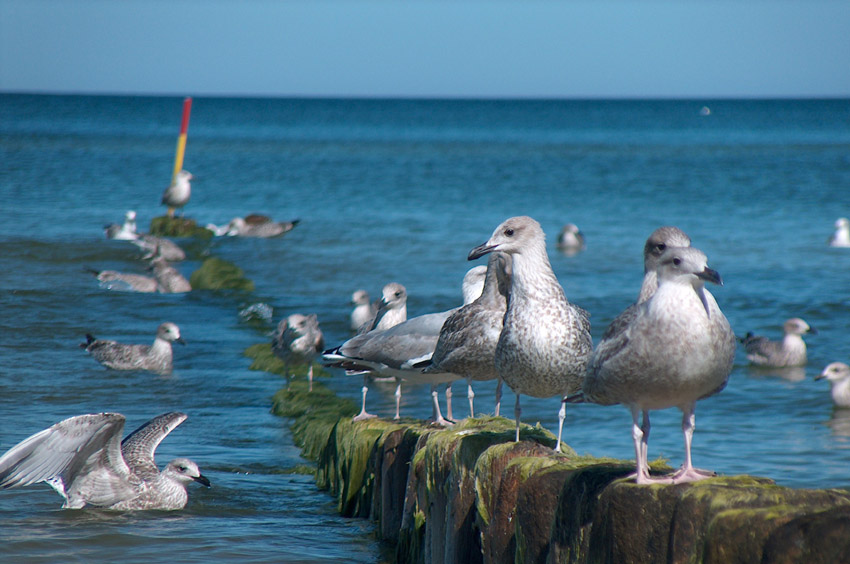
[218, 274]
[164, 226]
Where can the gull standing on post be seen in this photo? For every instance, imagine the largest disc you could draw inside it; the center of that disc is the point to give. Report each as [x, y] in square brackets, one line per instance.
[545, 342]
[675, 349]
[84, 459]
[177, 195]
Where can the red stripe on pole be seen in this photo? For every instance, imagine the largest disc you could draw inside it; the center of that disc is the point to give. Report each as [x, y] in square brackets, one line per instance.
[187, 107]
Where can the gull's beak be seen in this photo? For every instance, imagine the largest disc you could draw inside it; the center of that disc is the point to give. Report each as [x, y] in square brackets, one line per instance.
[710, 275]
[480, 251]
[201, 479]
[180, 340]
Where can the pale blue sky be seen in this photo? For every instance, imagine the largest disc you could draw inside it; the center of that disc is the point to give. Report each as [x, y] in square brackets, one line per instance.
[535, 48]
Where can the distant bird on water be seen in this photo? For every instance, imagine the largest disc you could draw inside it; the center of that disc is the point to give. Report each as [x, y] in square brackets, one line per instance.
[841, 237]
[675, 349]
[177, 195]
[254, 225]
[154, 358]
[124, 232]
[570, 239]
[84, 459]
[161, 247]
[121, 281]
[297, 340]
[838, 375]
[790, 351]
[545, 341]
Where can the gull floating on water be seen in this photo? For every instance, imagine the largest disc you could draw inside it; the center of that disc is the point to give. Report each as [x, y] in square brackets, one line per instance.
[570, 239]
[363, 310]
[676, 348]
[154, 358]
[169, 278]
[838, 375]
[124, 232]
[177, 195]
[160, 246]
[545, 341]
[254, 225]
[841, 237]
[467, 342]
[121, 281]
[790, 351]
[84, 459]
[298, 340]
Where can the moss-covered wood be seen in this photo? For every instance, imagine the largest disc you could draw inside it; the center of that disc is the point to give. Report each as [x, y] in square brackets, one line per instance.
[164, 226]
[469, 494]
[218, 274]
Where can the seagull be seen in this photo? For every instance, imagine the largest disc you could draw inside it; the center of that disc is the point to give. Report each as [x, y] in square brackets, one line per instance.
[467, 342]
[363, 310]
[676, 348]
[545, 341]
[790, 351]
[84, 459]
[160, 246]
[120, 281]
[838, 375]
[570, 239]
[256, 225]
[177, 195]
[473, 283]
[298, 340]
[390, 310]
[154, 358]
[841, 237]
[125, 232]
[169, 278]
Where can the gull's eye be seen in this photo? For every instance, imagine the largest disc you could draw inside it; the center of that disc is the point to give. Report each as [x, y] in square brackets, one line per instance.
[509, 232]
[182, 469]
[677, 261]
[398, 294]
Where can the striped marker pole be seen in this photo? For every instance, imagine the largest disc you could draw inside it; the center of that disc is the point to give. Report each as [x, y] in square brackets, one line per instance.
[181, 140]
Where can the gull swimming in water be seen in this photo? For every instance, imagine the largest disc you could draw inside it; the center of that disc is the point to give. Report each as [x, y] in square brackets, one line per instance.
[84, 459]
[545, 341]
[570, 239]
[838, 375]
[160, 246]
[467, 342]
[297, 340]
[177, 195]
[121, 281]
[154, 358]
[677, 348]
[254, 225]
[841, 237]
[169, 278]
[363, 310]
[790, 351]
[124, 232]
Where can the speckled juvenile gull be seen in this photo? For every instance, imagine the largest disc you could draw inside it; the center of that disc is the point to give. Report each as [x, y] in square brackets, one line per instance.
[363, 310]
[467, 342]
[790, 351]
[298, 340]
[677, 348]
[256, 225]
[570, 239]
[124, 232]
[545, 341]
[390, 310]
[169, 278]
[121, 281]
[838, 375]
[841, 237]
[118, 356]
[84, 459]
[160, 246]
[177, 195]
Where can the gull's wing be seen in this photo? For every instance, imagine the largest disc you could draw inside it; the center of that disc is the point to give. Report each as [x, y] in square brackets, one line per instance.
[80, 457]
[139, 446]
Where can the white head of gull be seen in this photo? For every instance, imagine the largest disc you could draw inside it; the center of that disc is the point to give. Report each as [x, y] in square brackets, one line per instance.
[545, 341]
[298, 340]
[841, 236]
[838, 375]
[390, 310]
[154, 358]
[570, 239]
[790, 351]
[467, 342]
[84, 459]
[677, 349]
[363, 309]
[177, 195]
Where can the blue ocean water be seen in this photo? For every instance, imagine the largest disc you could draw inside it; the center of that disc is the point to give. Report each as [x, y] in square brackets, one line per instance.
[396, 190]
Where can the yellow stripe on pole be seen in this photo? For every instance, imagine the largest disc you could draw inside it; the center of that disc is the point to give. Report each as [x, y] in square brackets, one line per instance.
[181, 139]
